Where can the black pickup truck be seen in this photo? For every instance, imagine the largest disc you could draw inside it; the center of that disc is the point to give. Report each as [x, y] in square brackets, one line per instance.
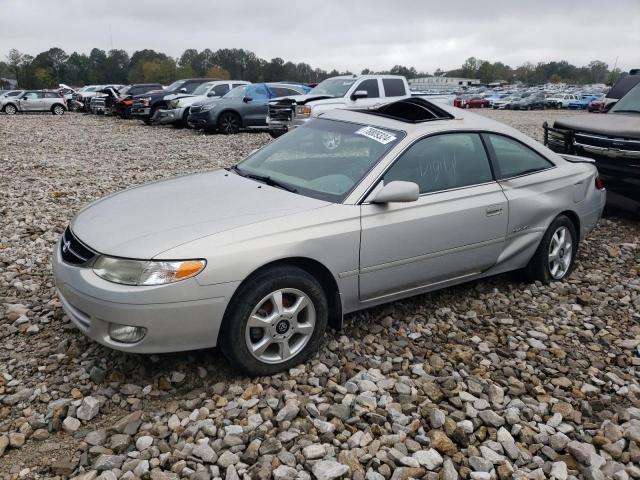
[612, 139]
[146, 105]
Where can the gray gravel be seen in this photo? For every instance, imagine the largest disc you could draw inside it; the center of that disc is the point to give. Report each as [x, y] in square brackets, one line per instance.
[492, 379]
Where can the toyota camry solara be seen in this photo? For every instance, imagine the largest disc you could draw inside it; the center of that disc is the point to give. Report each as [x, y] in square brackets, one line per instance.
[354, 209]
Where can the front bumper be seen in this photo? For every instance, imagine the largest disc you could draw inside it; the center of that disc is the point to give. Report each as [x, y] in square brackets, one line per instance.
[179, 316]
[141, 111]
[286, 125]
[165, 117]
[206, 119]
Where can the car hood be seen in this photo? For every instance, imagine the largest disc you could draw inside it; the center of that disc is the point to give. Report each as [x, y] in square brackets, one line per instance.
[142, 222]
[153, 94]
[610, 124]
[303, 99]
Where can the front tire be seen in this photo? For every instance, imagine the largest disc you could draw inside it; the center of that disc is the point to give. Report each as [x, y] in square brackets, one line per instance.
[554, 259]
[10, 109]
[275, 321]
[229, 123]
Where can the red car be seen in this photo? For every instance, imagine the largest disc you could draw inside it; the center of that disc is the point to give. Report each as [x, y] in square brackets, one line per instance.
[472, 102]
[595, 106]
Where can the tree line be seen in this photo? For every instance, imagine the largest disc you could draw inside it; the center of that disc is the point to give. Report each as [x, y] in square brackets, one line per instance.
[55, 66]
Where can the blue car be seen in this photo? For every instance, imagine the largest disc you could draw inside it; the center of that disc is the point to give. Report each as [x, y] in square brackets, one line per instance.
[244, 107]
[583, 102]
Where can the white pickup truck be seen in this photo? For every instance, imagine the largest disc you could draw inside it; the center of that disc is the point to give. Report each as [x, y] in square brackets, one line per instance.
[349, 91]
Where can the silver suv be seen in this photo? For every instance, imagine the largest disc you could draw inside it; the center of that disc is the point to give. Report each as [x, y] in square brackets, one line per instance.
[34, 101]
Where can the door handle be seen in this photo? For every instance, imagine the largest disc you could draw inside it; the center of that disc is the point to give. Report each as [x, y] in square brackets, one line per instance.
[493, 211]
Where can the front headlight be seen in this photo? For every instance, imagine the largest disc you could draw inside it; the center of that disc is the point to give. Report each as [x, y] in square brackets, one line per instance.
[207, 106]
[145, 101]
[173, 104]
[303, 111]
[146, 272]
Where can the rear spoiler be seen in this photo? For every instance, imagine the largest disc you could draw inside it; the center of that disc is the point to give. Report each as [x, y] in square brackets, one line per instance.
[577, 159]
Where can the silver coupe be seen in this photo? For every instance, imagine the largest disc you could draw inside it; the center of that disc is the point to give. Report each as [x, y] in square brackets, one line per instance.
[354, 209]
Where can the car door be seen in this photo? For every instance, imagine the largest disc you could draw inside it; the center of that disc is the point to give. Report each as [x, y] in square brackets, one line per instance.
[254, 106]
[369, 85]
[30, 101]
[455, 229]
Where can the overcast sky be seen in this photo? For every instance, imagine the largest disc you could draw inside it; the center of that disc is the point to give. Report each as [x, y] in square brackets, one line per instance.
[342, 34]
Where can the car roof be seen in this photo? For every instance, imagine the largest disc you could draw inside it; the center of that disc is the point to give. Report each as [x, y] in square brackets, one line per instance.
[452, 119]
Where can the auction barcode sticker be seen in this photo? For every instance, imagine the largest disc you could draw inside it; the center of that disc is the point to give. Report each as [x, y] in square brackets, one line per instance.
[376, 134]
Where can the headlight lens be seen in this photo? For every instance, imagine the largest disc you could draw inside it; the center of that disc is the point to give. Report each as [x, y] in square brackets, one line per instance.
[303, 111]
[146, 100]
[146, 272]
[173, 104]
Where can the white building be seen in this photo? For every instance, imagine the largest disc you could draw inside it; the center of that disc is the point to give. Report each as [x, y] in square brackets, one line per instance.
[442, 83]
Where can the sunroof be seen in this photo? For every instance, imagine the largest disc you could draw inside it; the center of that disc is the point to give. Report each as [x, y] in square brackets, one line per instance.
[411, 110]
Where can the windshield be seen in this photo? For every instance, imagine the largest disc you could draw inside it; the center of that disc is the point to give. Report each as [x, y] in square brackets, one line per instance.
[629, 103]
[334, 87]
[175, 85]
[202, 89]
[323, 159]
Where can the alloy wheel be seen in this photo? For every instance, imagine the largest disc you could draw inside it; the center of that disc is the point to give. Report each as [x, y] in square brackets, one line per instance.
[58, 110]
[10, 110]
[280, 325]
[229, 124]
[560, 252]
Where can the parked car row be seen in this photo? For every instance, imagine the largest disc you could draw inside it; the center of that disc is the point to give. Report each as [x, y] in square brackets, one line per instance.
[228, 106]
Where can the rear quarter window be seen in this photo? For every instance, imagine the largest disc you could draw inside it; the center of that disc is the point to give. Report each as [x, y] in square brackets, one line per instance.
[514, 159]
[393, 87]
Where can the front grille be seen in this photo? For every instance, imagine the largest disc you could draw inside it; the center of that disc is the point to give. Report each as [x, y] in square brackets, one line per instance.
[560, 141]
[281, 111]
[98, 102]
[73, 251]
[601, 141]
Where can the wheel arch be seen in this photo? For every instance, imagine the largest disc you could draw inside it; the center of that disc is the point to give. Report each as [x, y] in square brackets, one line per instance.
[318, 271]
[58, 104]
[230, 110]
[575, 219]
[12, 104]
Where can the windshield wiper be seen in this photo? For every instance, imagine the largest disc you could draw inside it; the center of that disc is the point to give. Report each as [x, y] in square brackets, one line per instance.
[265, 179]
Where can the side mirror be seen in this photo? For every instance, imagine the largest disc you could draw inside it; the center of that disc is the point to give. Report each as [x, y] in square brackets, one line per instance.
[183, 90]
[212, 94]
[247, 99]
[397, 191]
[359, 94]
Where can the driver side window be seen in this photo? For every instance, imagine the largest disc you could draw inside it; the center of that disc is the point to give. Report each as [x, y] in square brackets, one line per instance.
[443, 162]
[257, 92]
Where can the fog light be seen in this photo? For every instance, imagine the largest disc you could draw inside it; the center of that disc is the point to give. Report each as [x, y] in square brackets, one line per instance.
[126, 333]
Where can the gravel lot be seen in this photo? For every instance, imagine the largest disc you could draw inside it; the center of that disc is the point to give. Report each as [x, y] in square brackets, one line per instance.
[492, 379]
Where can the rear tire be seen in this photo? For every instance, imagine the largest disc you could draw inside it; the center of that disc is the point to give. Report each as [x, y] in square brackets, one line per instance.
[57, 110]
[258, 348]
[554, 259]
[229, 123]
